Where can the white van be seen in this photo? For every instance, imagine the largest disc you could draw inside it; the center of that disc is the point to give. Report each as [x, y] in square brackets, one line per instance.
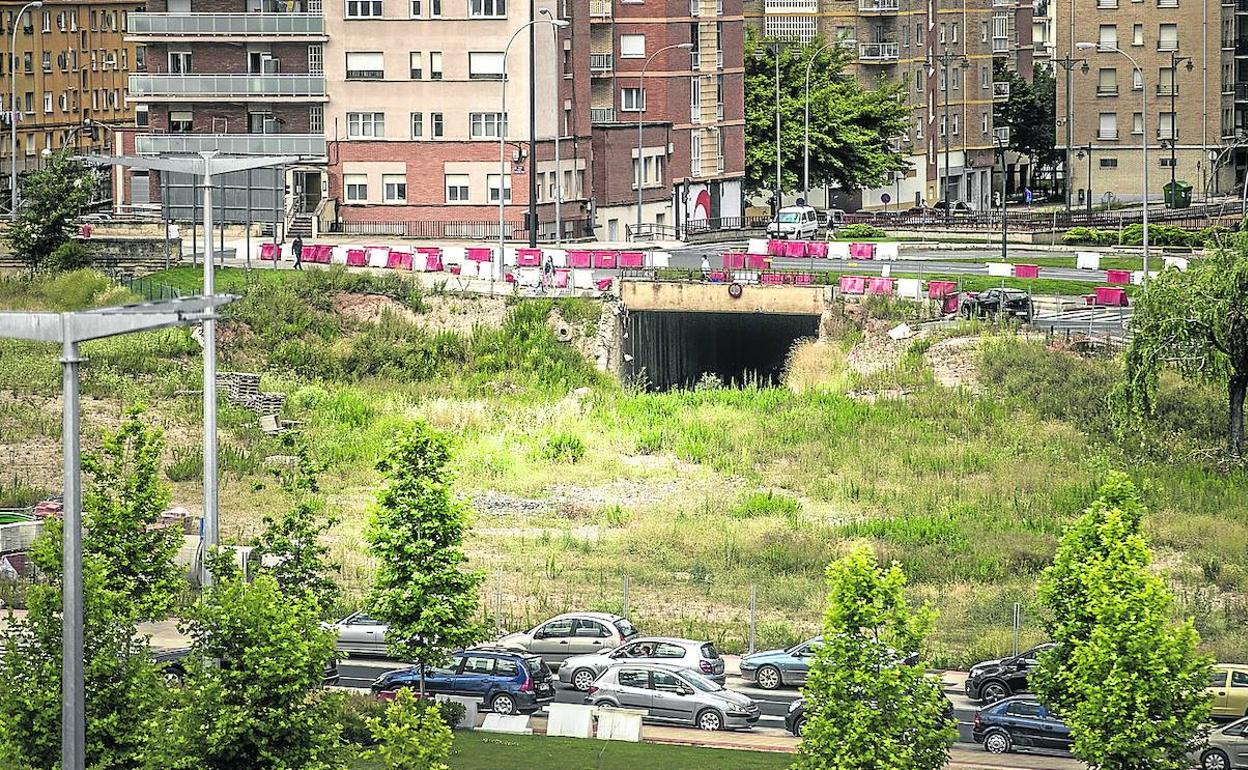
[794, 222]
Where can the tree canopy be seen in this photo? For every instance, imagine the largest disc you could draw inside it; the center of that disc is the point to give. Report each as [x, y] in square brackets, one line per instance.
[1030, 113]
[52, 198]
[852, 126]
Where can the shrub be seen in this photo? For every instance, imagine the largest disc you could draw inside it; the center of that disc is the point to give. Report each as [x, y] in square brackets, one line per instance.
[412, 735]
[1091, 236]
[615, 516]
[70, 255]
[767, 503]
[563, 447]
[861, 230]
[357, 710]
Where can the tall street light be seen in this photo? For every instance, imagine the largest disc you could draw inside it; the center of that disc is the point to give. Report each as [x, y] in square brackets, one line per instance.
[13, 111]
[945, 58]
[641, 113]
[1085, 46]
[806, 151]
[1175, 61]
[502, 138]
[1068, 63]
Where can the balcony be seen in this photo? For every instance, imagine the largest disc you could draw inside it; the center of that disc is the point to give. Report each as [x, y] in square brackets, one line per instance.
[1167, 89]
[1167, 133]
[599, 9]
[1002, 3]
[602, 115]
[885, 53]
[878, 6]
[1241, 6]
[303, 145]
[1107, 133]
[254, 87]
[601, 62]
[230, 26]
[1241, 92]
[1166, 46]
[790, 6]
[1106, 90]
[1001, 45]
[1000, 91]
[1001, 134]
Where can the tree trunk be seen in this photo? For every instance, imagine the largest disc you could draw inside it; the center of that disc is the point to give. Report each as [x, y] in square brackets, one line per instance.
[1238, 388]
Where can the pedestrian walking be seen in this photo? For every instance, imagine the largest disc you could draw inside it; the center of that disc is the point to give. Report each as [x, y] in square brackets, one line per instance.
[548, 272]
[296, 250]
[706, 267]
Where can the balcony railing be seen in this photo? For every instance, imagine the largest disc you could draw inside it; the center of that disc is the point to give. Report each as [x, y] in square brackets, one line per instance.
[1107, 90]
[227, 86]
[1167, 133]
[1107, 133]
[878, 6]
[601, 62]
[227, 24]
[1241, 92]
[1000, 45]
[1167, 46]
[303, 145]
[790, 6]
[878, 52]
[600, 9]
[1001, 90]
[602, 114]
[1167, 89]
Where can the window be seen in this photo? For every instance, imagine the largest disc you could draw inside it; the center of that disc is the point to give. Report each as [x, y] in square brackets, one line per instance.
[491, 184]
[414, 8]
[665, 650]
[1137, 80]
[180, 121]
[1165, 81]
[1107, 128]
[1137, 123]
[1239, 679]
[366, 125]
[1166, 162]
[1024, 709]
[1109, 163]
[363, 9]
[918, 81]
[316, 118]
[1107, 40]
[1166, 128]
[435, 9]
[1217, 678]
[1168, 37]
[1137, 34]
[632, 46]
[356, 187]
[479, 666]
[956, 75]
[1107, 84]
[505, 668]
[955, 124]
[631, 677]
[485, 65]
[486, 125]
[418, 125]
[457, 192]
[415, 65]
[942, 32]
[47, 61]
[435, 125]
[695, 152]
[141, 116]
[953, 32]
[179, 62]
[985, 76]
[983, 124]
[632, 100]
[316, 60]
[983, 32]
[47, 101]
[365, 66]
[435, 65]
[661, 680]
[695, 100]
[487, 8]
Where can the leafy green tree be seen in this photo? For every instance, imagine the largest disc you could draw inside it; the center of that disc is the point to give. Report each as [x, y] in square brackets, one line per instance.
[852, 125]
[411, 736]
[52, 198]
[253, 696]
[867, 711]
[1030, 113]
[1124, 677]
[422, 589]
[1195, 322]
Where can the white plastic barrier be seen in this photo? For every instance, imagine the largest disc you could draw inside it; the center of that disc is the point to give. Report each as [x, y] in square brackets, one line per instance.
[887, 250]
[1000, 269]
[909, 288]
[558, 257]
[570, 720]
[509, 256]
[528, 276]
[582, 279]
[757, 246]
[470, 269]
[378, 256]
[1087, 260]
[471, 708]
[1178, 263]
[452, 255]
[619, 724]
[886, 270]
[512, 725]
[338, 255]
[837, 250]
[659, 259]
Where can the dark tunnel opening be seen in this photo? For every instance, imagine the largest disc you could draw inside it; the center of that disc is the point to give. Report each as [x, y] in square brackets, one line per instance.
[677, 349]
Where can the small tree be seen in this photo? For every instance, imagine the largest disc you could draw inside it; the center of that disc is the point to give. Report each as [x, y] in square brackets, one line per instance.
[1125, 679]
[1196, 322]
[411, 735]
[422, 589]
[866, 710]
[52, 198]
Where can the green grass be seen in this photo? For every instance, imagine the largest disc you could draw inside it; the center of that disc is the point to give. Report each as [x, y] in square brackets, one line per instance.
[1107, 262]
[482, 751]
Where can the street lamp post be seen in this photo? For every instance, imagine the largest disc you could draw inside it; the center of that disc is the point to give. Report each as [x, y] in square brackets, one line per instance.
[641, 114]
[1175, 61]
[945, 58]
[1068, 63]
[1143, 127]
[13, 111]
[502, 140]
[806, 152]
[1000, 143]
[1080, 154]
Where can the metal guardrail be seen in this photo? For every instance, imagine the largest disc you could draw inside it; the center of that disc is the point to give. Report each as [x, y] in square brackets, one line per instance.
[600, 62]
[602, 115]
[216, 24]
[240, 85]
[879, 52]
[481, 230]
[694, 227]
[1023, 221]
[305, 145]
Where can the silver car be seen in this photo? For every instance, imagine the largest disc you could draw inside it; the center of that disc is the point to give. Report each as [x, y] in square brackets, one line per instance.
[1227, 748]
[673, 695]
[360, 634]
[573, 633]
[580, 671]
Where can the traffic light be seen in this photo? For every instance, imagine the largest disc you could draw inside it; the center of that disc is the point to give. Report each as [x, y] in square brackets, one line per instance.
[88, 129]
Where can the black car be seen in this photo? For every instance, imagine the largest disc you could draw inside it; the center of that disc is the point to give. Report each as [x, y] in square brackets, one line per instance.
[992, 680]
[1014, 303]
[172, 664]
[795, 719]
[1019, 722]
[505, 681]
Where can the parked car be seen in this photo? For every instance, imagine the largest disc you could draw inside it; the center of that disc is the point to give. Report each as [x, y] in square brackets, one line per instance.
[172, 664]
[1226, 748]
[993, 680]
[956, 207]
[506, 681]
[672, 694]
[361, 635]
[1228, 685]
[1014, 303]
[1019, 722]
[795, 719]
[580, 671]
[772, 669]
[573, 633]
[794, 222]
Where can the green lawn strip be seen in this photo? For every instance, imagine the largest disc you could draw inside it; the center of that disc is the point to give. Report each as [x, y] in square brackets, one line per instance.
[1107, 263]
[190, 280]
[482, 751]
[1036, 286]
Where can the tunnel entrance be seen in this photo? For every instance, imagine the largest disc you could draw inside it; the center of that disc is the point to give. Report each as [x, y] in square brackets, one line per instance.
[675, 349]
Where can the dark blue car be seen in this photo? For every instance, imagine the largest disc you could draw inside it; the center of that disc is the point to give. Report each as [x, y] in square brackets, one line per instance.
[1019, 722]
[505, 681]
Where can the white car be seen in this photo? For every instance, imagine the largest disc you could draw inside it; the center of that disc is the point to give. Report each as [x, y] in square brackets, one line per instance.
[795, 223]
[360, 634]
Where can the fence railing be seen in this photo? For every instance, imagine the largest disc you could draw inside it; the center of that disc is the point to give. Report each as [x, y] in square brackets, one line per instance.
[305, 145]
[275, 86]
[217, 24]
[480, 230]
[694, 227]
[1022, 221]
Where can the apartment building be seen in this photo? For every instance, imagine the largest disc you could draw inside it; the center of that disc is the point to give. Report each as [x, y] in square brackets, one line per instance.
[1191, 56]
[691, 107]
[942, 51]
[242, 77]
[71, 62]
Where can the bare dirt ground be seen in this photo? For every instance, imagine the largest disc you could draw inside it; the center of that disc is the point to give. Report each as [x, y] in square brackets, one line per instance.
[955, 362]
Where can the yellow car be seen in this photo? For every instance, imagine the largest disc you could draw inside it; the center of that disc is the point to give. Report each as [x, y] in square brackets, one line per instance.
[1229, 686]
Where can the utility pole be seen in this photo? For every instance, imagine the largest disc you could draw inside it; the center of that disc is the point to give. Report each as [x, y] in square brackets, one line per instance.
[1068, 63]
[945, 58]
[532, 169]
[779, 182]
[1175, 61]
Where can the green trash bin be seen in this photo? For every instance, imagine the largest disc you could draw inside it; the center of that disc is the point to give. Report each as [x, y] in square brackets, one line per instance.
[1178, 195]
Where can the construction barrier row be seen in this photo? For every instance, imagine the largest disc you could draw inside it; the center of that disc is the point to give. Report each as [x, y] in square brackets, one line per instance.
[470, 261]
[763, 247]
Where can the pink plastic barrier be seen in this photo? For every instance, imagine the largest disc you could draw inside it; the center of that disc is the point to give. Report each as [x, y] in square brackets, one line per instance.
[395, 260]
[268, 251]
[938, 289]
[803, 279]
[528, 257]
[1026, 271]
[734, 260]
[603, 284]
[433, 258]
[718, 276]
[632, 259]
[1118, 276]
[606, 260]
[455, 269]
[775, 248]
[1108, 295]
[882, 286]
[771, 279]
[862, 251]
[949, 304]
[853, 284]
[324, 254]
[579, 259]
[756, 262]
[817, 249]
[795, 248]
[478, 254]
[356, 258]
[562, 278]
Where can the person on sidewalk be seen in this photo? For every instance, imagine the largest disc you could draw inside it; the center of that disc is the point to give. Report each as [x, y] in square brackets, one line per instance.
[706, 267]
[548, 273]
[296, 250]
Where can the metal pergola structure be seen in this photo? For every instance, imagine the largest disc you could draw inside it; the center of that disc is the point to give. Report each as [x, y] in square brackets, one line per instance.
[70, 330]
